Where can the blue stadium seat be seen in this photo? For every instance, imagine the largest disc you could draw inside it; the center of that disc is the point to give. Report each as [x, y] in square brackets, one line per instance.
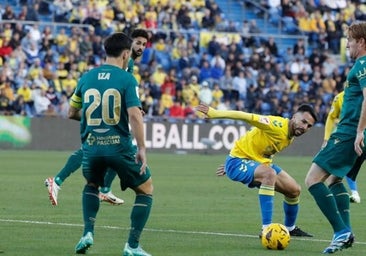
[266, 108]
[163, 58]
[289, 25]
[46, 18]
[274, 16]
[147, 56]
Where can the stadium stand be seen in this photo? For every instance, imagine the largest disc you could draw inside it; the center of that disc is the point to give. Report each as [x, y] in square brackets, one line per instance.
[262, 56]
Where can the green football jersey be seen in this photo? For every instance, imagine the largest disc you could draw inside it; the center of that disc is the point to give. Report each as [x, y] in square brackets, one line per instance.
[353, 97]
[104, 94]
[130, 65]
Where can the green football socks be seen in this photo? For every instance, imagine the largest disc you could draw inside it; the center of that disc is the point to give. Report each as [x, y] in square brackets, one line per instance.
[342, 199]
[139, 216]
[327, 204]
[91, 204]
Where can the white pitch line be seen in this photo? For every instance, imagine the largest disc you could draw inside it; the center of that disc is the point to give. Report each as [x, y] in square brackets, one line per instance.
[159, 230]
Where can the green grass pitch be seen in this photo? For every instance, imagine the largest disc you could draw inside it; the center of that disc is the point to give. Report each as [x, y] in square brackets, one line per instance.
[194, 212]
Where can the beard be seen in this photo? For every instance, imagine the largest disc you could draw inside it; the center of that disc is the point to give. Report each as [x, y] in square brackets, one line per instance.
[298, 132]
[136, 54]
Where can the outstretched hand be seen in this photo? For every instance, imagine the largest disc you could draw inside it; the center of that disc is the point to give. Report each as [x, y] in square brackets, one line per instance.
[202, 108]
[221, 171]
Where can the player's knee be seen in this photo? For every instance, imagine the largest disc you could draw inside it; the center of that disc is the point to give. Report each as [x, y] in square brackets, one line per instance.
[146, 188]
[293, 190]
[296, 191]
[266, 176]
[149, 189]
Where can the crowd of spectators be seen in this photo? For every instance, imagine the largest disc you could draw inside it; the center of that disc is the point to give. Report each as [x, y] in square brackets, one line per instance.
[40, 63]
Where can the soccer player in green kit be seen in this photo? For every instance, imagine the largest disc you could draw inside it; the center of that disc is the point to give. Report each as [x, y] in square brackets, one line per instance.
[140, 38]
[106, 102]
[344, 146]
[330, 125]
[250, 159]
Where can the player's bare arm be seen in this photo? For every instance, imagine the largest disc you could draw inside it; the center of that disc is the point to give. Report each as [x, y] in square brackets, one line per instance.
[359, 144]
[74, 113]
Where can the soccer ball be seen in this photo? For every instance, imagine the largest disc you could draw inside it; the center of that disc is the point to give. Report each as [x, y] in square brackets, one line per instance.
[275, 237]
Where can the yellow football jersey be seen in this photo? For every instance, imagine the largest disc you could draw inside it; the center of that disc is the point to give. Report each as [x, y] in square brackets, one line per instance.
[333, 116]
[269, 135]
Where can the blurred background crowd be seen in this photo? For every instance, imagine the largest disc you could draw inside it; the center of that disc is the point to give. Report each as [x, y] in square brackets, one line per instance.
[197, 52]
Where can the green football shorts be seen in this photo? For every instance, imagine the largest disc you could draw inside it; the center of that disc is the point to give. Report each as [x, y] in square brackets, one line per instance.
[338, 156]
[94, 169]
